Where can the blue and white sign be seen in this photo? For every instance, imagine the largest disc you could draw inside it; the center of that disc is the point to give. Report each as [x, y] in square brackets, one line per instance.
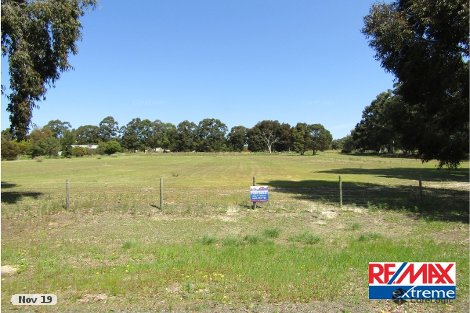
[259, 193]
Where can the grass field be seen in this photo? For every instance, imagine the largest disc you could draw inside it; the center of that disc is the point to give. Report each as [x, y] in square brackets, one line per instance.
[207, 250]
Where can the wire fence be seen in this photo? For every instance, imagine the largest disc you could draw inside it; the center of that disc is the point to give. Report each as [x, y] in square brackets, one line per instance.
[283, 195]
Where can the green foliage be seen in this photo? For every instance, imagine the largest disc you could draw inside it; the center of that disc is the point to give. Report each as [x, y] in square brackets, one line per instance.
[211, 135]
[338, 144]
[66, 142]
[376, 130]
[301, 137]
[321, 138]
[348, 144]
[186, 136]
[135, 135]
[109, 147]
[313, 137]
[163, 135]
[10, 149]
[285, 142]
[87, 135]
[108, 129]
[37, 38]
[264, 135]
[43, 143]
[58, 128]
[425, 44]
[80, 151]
[208, 136]
[237, 138]
[24, 146]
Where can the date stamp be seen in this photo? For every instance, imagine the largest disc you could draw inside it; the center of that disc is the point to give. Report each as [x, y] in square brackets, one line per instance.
[34, 299]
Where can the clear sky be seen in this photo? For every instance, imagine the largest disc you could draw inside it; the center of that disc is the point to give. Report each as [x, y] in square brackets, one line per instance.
[241, 61]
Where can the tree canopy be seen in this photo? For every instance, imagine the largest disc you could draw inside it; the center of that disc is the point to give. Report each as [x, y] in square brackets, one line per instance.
[37, 39]
[264, 135]
[425, 44]
[376, 130]
[237, 138]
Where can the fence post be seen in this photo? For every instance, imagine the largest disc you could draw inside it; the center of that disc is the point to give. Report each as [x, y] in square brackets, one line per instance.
[67, 194]
[161, 193]
[420, 189]
[254, 184]
[340, 192]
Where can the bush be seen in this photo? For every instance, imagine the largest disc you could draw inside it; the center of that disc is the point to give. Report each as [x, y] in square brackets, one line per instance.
[24, 146]
[80, 151]
[109, 147]
[43, 143]
[10, 150]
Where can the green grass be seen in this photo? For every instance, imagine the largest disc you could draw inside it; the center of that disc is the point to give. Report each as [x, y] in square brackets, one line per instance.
[355, 226]
[207, 240]
[306, 238]
[271, 232]
[369, 236]
[206, 245]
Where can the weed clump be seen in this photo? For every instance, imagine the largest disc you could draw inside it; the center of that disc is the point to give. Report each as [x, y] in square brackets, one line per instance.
[306, 238]
[208, 240]
[271, 233]
[129, 244]
[369, 236]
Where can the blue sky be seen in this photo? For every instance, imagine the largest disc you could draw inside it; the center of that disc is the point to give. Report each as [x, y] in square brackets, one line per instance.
[241, 61]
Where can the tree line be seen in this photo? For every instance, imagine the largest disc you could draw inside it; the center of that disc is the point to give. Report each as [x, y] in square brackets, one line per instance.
[209, 135]
[386, 129]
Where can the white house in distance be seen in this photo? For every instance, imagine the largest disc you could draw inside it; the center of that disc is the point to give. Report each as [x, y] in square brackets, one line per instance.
[91, 147]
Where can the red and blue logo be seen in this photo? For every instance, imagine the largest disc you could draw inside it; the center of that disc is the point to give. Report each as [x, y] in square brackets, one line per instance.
[412, 280]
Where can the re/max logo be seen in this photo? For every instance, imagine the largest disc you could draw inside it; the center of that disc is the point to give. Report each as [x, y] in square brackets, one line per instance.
[434, 273]
[412, 280]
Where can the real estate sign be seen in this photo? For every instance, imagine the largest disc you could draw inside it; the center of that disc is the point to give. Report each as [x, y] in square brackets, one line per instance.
[259, 193]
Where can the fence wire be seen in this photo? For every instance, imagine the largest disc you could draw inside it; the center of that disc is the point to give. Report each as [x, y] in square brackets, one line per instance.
[92, 195]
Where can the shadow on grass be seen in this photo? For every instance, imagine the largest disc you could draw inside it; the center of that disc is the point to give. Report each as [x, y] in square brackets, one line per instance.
[12, 197]
[6, 185]
[433, 204]
[426, 174]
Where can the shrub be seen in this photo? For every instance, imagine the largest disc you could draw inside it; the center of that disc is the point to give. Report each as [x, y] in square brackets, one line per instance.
[109, 147]
[10, 149]
[80, 151]
[43, 143]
